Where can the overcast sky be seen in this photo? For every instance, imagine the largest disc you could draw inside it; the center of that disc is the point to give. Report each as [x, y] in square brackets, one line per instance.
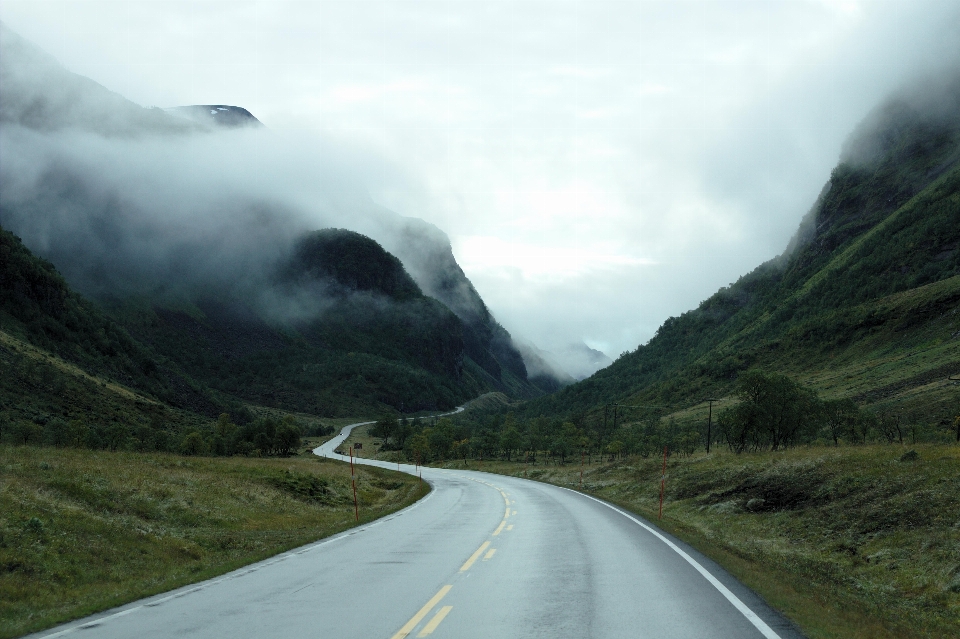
[599, 166]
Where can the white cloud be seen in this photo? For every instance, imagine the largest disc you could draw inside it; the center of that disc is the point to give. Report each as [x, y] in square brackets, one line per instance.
[599, 166]
[538, 262]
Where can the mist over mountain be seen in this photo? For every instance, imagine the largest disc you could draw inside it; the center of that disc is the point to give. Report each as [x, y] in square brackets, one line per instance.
[39, 94]
[204, 230]
[219, 115]
[863, 302]
[583, 361]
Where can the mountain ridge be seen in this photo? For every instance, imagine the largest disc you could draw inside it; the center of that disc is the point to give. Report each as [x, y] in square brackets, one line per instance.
[167, 285]
[884, 230]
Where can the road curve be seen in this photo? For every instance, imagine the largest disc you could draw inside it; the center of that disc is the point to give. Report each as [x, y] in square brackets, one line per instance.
[480, 556]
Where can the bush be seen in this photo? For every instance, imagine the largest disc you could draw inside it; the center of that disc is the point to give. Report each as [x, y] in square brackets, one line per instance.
[193, 444]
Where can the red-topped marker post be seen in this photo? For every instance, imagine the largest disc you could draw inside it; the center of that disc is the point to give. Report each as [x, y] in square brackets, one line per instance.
[353, 481]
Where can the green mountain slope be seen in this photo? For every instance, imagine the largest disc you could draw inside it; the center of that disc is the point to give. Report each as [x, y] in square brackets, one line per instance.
[864, 303]
[38, 307]
[348, 331]
[222, 284]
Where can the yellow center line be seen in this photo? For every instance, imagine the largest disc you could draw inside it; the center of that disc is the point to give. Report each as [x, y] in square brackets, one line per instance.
[514, 512]
[474, 556]
[500, 527]
[433, 623]
[507, 514]
[417, 618]
[510, 527]
[489, 554]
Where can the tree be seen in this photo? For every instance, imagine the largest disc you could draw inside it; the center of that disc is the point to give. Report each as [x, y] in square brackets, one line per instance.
[510, 440]
[538, 434]
[117, 435]
[385, 428]
[841, 417]
[193, 444]
[890, 426]
[564, 441]
[287, 438]
[461, 449]
[418, 447]
[224, 428]
[614, 449]
[774, 412]
[441, 438]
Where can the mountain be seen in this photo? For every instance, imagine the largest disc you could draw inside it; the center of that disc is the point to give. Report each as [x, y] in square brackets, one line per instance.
[583, 361]
[864, 303]
[39, 308]
[231, 285]
[426, 251]
[38, 93]
[218, 115]
[347, 331]
[543, 367]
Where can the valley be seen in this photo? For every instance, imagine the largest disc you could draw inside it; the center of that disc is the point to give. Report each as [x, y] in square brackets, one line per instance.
[184, 335]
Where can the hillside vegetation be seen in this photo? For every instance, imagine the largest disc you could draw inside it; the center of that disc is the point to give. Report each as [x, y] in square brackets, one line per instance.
[209, 298]
[864, 304]
[349, 332]
[37, 306]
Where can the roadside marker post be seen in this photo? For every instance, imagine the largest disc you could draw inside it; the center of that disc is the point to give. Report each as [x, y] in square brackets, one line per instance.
[353, 481]
[663, 480]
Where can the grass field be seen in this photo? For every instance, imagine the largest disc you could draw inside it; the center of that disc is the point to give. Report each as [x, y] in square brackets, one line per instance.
[82, 531]
[850, 542]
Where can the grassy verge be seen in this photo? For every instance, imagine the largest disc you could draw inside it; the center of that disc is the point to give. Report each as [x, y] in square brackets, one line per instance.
[370, 445]
[859, 542]
[82, 531]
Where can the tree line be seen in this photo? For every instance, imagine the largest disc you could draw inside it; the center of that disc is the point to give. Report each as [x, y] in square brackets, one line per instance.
[767, 412]
[265, 436]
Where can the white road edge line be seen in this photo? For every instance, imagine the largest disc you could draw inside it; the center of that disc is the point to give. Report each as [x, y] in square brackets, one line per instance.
[239, 572]
[286, 555]
[751, 616]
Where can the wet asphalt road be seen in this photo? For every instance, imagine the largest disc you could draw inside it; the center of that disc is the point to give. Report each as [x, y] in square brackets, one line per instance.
[481, 556]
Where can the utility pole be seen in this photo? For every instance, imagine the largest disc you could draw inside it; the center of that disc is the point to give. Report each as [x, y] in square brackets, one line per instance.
[353, 481]
[710, 422]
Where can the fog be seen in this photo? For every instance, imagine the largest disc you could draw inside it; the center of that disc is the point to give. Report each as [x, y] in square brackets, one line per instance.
[126, 200]
[598, 166]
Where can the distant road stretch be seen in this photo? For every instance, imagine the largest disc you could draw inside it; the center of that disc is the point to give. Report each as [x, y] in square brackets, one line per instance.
[483, 556]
